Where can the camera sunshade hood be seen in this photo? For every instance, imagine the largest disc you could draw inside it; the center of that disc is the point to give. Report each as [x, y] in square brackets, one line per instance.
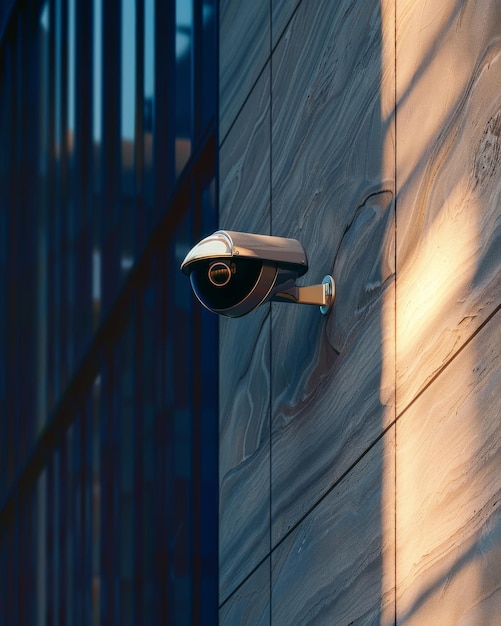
[227, 243]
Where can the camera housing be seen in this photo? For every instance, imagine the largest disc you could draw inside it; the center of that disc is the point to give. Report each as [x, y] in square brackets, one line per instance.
[232, 273]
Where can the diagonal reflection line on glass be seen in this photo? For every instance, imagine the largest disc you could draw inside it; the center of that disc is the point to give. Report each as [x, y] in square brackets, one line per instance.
[200, 165]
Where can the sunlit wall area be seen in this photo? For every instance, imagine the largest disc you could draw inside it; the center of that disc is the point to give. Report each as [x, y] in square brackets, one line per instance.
[448, 486]
[108, 376]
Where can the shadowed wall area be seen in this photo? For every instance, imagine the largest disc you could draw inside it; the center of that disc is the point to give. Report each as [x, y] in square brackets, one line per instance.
[360, 453]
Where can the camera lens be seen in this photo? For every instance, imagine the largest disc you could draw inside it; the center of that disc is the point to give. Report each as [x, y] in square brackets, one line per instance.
[220, 285]
[219, 274]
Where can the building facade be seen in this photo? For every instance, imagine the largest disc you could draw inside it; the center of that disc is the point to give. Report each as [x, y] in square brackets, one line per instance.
[355, 457]
[360, 453]
[108, 372]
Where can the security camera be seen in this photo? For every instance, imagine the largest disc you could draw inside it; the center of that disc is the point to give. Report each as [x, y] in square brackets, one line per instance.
[232, 273]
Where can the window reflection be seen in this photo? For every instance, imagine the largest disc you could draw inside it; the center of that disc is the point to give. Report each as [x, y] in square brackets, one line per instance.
[97, 71]
[184, 27]
[184, 33]
[128, 69]
[99, 341]
[71, 75]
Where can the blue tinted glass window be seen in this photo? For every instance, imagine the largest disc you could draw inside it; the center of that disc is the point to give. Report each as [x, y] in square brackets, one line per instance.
[104, 509]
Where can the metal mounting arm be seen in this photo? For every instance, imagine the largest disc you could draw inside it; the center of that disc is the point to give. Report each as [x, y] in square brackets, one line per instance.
[321, 295]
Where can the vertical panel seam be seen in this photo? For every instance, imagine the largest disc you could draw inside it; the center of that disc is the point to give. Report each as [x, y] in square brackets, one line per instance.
[395, 175]
[270, 114]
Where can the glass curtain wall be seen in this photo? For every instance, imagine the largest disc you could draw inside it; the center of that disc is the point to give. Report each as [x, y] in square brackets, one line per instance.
[108, 369]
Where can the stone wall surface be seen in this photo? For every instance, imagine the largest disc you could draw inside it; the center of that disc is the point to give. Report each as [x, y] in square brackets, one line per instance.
[360, 453]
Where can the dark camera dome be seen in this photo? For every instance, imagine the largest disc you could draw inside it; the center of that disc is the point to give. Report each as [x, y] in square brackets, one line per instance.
[232, 288]
[222, 285]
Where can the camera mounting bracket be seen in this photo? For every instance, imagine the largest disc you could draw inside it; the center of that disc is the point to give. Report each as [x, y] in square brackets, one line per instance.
[321, 295]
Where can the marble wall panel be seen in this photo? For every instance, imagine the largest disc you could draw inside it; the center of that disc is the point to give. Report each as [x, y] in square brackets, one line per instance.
[449, 178]
[337, 566]
[244, 50]
[324, 478]
[331, 409]
[250, 604]
[332, 140]
[332, 188]
[281, 12]
[244, 372]
[449, 492]
[244, 165]
[244, 448]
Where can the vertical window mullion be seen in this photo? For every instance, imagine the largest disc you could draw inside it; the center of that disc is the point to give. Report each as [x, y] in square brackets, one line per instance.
[76, 575]
[139, 476]
[139, 129]
[52, 544]
[111, 149]
[165, 104]
[197, 101]
[87, 540]
[83, 179]
[69, 252]
[51, 201]
[61, 261]
[196, 410]
[107, 464]
[63, 525]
